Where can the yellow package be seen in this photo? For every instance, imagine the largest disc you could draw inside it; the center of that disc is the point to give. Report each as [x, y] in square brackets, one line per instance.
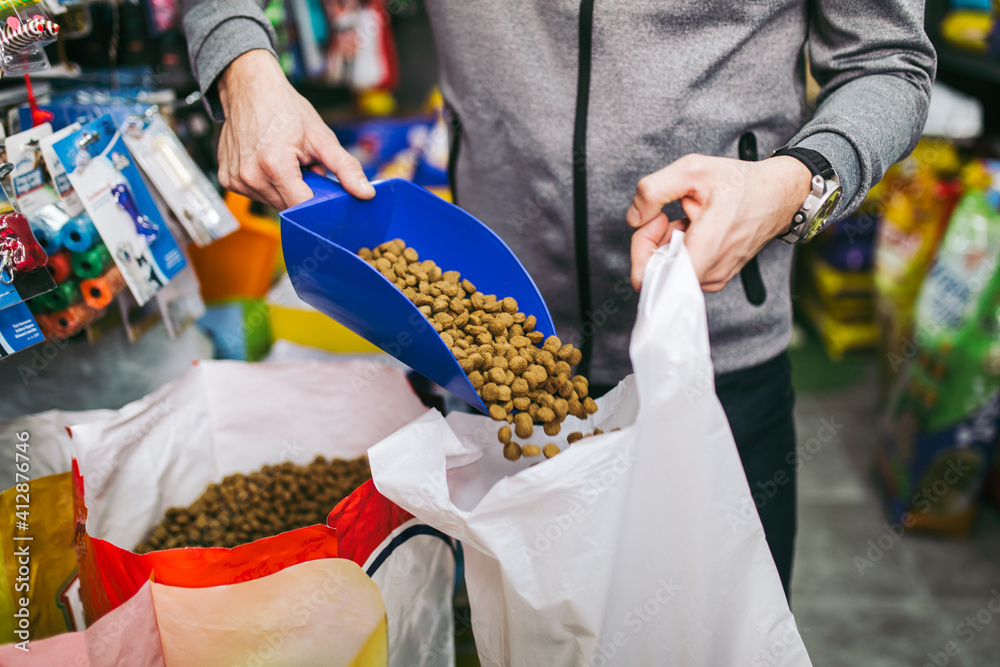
[50, 587]
[917, 196]
[968, 29]
[839, 338]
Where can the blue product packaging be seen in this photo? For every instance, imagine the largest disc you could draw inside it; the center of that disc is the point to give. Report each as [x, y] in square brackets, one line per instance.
[103, 173]
[18, 330]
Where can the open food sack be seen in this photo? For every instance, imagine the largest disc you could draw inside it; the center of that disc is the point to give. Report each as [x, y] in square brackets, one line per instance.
[634, 547]
[321, 613]
[231, 448]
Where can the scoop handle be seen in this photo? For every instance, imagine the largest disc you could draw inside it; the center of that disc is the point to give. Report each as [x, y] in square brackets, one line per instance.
[322, 187]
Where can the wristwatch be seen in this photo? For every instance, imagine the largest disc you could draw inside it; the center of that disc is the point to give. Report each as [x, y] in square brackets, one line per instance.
[814, 214]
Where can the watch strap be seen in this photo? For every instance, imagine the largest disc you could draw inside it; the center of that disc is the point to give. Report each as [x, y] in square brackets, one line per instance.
[814, 162]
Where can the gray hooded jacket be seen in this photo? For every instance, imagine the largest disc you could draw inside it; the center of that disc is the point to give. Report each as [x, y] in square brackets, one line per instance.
[561, 106]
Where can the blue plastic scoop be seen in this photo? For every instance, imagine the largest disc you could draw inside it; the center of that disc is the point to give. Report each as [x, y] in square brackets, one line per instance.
[321, 238]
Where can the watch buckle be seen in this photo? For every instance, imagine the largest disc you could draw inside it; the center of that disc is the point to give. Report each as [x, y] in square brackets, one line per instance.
[818, 185]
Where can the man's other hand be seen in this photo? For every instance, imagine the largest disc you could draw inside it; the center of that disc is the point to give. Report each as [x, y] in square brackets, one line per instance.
[733, 208]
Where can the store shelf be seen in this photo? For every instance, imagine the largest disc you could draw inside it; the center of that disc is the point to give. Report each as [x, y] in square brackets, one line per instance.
[955, 61]
[973, 74]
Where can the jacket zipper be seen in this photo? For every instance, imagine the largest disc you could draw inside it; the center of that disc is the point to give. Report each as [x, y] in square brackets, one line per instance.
[455, 124]
[580, 236]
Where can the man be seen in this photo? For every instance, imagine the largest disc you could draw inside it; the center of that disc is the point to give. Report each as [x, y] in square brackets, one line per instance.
[562, 107]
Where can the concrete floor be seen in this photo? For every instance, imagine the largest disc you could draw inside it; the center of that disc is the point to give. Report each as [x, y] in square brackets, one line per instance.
[906, 608]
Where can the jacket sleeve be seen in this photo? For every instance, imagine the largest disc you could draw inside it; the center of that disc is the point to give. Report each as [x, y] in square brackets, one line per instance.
[875, 65]
[218, 31]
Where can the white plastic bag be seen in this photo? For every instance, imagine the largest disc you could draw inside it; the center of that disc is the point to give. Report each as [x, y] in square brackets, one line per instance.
[638, 547]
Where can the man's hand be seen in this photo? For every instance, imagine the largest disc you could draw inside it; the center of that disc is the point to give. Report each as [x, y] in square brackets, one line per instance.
[734, 209]
[271, 131]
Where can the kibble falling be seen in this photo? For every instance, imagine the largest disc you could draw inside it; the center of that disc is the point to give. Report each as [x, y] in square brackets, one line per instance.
[523, 377]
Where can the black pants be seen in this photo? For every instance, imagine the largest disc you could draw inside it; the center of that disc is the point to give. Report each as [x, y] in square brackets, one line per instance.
[758, 402]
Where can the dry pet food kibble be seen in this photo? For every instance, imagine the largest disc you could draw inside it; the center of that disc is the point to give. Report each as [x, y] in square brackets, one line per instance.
[531, 450]
[512, 451]
[523, 377]
[244, 508]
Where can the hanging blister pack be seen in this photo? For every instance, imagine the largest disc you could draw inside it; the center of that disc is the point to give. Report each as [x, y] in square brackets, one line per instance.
[70, 201]
[24, 29]
[63, 227]
[55, 293]
[102, 171]
[36, 199]
[184, 187]
[33, 187]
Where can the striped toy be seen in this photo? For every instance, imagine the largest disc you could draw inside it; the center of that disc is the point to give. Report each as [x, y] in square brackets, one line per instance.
[32, 31]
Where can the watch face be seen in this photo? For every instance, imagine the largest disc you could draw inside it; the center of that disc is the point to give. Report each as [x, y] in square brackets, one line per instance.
[823, 215]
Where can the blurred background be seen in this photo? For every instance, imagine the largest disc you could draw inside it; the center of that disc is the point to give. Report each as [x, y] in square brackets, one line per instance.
[896, 350]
